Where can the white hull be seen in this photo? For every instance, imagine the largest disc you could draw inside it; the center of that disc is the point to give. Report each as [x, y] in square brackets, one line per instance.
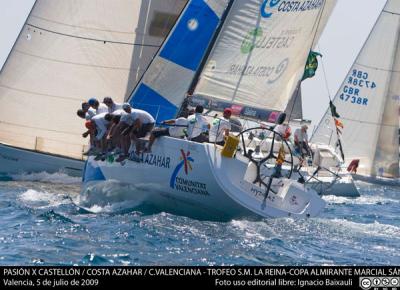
[342, 187]
[377, 180]
[16, 160]
[327, 184]
[209, 187]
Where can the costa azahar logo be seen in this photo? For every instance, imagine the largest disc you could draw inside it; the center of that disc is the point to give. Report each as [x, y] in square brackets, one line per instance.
[271, 4]
[185, 163]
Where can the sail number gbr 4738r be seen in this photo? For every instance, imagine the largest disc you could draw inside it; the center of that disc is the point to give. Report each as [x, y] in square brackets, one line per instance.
[356, 82]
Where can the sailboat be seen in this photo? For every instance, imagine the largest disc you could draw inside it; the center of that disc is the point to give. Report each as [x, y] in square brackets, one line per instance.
[248, 55]
[66, 53]
[368, 105]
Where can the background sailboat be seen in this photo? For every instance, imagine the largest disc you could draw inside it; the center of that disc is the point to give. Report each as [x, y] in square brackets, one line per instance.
[67, 52]
[368, 103]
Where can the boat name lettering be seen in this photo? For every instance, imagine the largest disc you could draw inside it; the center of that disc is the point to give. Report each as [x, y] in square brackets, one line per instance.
[289, 6]
[255, 39]
[185, 185]
[271, 72]
[256, 191]
[156, 160]
[250, 112]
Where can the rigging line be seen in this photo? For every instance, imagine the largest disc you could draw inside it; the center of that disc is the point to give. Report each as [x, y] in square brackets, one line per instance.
[298, 88]
[369, 123]
[41, 94]
[325, 76]
[92, 39]
[377, 68]
[82, 27]
[74, 63]
[390, 12]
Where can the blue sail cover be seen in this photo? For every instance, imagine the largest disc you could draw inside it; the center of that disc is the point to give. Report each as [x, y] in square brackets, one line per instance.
[168, 78]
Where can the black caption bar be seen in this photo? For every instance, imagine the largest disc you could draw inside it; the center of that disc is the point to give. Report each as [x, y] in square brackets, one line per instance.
[212, 277]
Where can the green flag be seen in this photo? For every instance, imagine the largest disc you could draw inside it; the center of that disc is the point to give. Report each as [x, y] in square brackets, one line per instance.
[311, 65]
[333, 110]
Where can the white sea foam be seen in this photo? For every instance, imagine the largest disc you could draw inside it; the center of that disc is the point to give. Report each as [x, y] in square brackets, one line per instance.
[363, 199]
[374, 229]
[42, 199]
[59, 177]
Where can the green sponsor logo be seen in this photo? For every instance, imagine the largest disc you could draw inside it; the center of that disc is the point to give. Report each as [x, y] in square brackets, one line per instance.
[249, 42]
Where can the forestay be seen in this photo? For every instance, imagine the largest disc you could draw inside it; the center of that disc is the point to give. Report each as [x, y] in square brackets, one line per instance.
[69, 51]
[259, 56]
[368, 101]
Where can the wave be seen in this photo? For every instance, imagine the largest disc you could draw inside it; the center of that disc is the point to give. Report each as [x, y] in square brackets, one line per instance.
[110, 197]
[43, 199]
[58, 177]
[361, 200]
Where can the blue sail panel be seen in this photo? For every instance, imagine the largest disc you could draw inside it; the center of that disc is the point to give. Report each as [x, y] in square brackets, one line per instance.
[167, 80]
[149, 100]
[191, 37]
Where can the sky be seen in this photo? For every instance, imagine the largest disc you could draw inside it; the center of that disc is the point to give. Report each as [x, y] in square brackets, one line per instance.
[345, 33]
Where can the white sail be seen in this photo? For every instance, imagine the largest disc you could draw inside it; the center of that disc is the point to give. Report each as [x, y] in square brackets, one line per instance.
[368, 101]
[69, 51]
[259, 57]
[294, 109]
[168, 79]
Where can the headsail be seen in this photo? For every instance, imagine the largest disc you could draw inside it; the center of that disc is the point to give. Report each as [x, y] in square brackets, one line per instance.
[260, 54]
[368, 101]
[165, 83]
[69, 51]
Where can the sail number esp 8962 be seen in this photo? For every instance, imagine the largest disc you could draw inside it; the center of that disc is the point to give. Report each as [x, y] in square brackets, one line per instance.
[357, 81]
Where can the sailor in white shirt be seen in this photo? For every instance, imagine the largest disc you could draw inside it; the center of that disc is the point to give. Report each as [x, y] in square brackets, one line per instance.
[89, 112]
[114, 133]
[100, 108]
[220, 128]
[301, 140]
[112, 107]
[198, 126]
[137, 123]
[102, 121]
[177, 130]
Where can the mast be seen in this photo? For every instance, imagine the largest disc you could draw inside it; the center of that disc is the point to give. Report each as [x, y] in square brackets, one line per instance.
[209, 49]
[158, 51]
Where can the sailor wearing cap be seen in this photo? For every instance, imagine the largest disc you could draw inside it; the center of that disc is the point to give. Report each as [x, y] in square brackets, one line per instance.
[220, 128]
[100, 108]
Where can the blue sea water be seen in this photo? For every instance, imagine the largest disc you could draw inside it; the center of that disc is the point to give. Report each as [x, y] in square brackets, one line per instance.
[41, 225]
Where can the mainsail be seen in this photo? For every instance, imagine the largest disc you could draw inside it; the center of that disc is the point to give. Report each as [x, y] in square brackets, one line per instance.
[259, 56]
[69, 51]
[368, 101]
